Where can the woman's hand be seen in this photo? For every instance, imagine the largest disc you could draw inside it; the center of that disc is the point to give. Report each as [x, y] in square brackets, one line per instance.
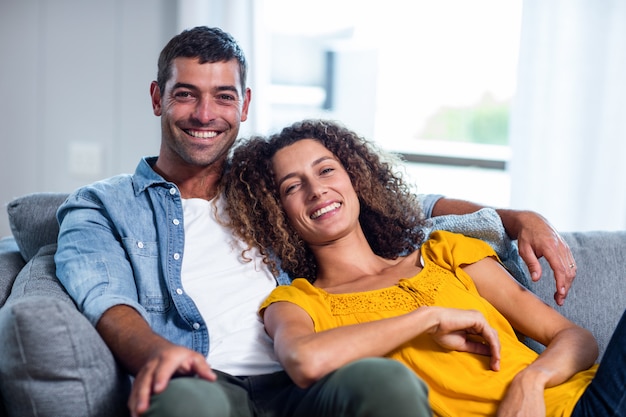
[466, 331]
[524, 398]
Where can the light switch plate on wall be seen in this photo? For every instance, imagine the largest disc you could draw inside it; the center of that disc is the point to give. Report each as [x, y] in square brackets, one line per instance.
[85, 159]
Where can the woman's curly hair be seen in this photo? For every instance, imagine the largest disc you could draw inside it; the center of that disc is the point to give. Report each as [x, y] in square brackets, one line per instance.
[390, 214]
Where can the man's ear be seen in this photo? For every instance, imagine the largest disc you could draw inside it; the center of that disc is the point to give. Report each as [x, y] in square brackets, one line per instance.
[246, 104]
[155, 94]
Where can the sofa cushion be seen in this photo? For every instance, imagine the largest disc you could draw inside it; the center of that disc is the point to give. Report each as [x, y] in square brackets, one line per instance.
[33, 222]
[44, 339]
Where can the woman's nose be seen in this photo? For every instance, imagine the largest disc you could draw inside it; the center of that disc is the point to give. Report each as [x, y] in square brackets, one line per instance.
[318, 189]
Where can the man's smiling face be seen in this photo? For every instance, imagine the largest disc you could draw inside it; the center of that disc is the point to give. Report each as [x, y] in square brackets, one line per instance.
[201, 110]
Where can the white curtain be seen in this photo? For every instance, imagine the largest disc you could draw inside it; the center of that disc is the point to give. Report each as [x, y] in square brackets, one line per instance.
[568, 124]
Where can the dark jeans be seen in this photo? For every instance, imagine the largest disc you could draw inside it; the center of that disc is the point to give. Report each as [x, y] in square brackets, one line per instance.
[606, 395]
[373, 387]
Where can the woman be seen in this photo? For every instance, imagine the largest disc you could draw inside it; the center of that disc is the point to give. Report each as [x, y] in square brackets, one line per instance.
[331, 210]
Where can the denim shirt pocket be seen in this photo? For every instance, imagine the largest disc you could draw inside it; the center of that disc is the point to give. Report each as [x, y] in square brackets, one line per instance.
[152, 291]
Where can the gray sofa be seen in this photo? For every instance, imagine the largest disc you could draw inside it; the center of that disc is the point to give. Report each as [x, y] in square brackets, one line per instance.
[53, 363]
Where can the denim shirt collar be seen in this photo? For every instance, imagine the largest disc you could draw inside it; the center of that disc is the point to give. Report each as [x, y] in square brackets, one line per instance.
[146, 177]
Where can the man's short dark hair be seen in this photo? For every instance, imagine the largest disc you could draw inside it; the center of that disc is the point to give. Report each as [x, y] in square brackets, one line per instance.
[206, 44]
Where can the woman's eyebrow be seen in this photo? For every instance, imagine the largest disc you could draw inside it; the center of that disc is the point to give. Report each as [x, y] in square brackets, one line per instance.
[322, 159]
[316, 162]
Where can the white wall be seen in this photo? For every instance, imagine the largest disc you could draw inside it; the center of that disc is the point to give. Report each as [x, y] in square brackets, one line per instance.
[74, 90]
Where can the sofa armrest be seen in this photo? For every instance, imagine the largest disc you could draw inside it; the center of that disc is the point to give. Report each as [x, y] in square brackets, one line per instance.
[11, 262]
[597, 298]
[52, 360]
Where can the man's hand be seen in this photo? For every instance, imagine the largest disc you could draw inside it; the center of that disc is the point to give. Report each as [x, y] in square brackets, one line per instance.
[147, 355]
[157, 372]
[537, 238]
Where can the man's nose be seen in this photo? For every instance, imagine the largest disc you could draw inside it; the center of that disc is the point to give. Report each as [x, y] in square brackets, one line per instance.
[204, 111]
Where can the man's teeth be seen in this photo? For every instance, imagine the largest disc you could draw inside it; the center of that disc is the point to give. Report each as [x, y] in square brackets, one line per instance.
[202, 134]
[326, 209]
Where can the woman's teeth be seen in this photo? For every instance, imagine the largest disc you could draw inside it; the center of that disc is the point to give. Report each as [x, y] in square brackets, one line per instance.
[324, 210]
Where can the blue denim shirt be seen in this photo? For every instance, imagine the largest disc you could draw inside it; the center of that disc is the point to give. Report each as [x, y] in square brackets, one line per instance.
[121, 241]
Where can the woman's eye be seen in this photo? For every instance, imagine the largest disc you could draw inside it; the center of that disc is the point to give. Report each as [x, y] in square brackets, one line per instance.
[327, 171]
[291, 188]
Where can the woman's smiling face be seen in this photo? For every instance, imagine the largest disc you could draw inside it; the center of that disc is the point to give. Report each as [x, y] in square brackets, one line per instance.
[315, 192]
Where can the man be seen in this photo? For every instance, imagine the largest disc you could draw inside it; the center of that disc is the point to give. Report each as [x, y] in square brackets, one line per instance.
[147, 262]
[156, 274]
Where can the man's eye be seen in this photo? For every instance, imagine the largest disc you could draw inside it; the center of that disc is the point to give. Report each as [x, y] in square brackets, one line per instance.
[327, 171]
[226, 97]
[183, 94]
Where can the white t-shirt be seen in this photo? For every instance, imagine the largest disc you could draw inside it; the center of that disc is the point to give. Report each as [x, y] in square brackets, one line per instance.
[227, 292]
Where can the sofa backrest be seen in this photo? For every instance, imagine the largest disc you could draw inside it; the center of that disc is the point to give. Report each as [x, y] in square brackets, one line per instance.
[595, 301]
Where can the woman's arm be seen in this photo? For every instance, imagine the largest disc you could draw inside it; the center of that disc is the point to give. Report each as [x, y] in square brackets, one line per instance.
[308, 356]
[569, 348]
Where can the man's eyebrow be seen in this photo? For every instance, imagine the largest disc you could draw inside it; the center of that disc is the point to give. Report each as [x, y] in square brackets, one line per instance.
[184, 85]
[227, 88]
[216, 89]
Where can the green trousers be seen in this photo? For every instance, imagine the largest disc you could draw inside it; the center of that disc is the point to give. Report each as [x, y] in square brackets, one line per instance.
[373, 387]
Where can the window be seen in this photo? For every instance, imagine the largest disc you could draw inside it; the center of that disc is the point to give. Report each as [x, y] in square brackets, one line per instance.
[433, 80]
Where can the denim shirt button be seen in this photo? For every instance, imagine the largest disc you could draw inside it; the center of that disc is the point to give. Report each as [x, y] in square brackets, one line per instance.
[140, 245]
[177, 256]
[172, 191]
[176, 222]
[196, 326]
[179, 291]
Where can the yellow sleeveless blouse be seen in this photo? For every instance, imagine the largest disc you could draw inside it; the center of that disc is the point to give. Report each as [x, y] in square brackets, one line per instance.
[460, 384]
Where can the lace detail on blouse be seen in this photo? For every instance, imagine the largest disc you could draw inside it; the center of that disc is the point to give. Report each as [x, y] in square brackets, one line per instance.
[407, 295]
